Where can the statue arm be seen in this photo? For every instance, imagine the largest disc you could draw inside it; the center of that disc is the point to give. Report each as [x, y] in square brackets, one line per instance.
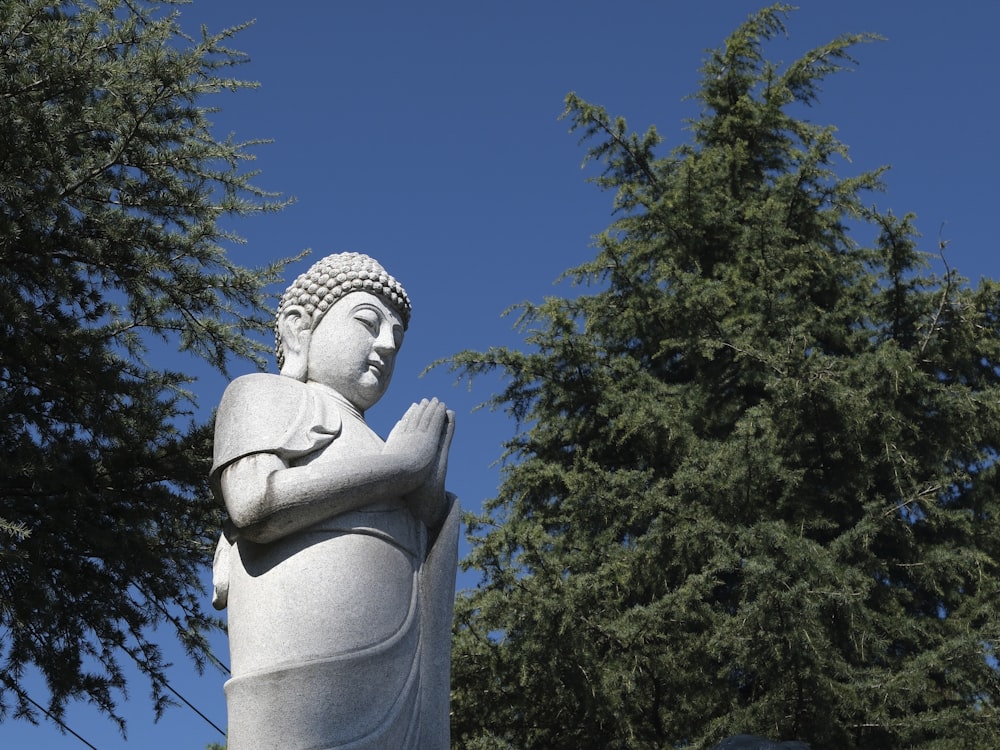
[267, 499]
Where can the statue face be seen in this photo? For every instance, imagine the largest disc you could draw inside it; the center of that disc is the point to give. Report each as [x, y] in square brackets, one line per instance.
[353, 349]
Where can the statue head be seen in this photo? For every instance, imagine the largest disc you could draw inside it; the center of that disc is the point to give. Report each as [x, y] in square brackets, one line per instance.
[372, 309]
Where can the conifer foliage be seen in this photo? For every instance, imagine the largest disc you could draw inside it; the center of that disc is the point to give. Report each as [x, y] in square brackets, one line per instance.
[112, 189]
[754, 488]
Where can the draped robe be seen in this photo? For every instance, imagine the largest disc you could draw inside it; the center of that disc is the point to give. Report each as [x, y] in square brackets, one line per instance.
[339, 633]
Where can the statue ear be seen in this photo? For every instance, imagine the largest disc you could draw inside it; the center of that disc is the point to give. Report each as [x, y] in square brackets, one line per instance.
[295, 329]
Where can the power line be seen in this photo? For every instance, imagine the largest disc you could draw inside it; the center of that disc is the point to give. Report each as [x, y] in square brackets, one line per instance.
[68, 729]
[65, 727]
[192, 707]
[159, 677]
[36, 704]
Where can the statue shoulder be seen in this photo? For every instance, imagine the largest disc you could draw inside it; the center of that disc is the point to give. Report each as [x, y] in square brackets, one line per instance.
[261, 389]
[261, 413]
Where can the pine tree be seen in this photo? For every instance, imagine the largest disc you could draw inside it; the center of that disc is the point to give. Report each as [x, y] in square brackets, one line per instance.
[754, 485]
[112, 190]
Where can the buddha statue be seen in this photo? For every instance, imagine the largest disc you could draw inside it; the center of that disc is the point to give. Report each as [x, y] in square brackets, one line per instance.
[338, 560]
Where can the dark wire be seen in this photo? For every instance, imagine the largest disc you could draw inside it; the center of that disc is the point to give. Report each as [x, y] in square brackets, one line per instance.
[192, 707]
[41, 708]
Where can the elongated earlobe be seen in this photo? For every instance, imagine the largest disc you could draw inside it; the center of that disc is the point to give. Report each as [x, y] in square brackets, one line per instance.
[294, 326]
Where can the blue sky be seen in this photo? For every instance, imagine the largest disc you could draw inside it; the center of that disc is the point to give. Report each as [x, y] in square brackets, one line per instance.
[426, 135]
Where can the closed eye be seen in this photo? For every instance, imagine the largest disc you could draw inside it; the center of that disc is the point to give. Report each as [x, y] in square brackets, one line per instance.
[370, 322]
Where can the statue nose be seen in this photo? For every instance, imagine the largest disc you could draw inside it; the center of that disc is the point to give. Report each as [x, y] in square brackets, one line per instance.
[385, 344]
